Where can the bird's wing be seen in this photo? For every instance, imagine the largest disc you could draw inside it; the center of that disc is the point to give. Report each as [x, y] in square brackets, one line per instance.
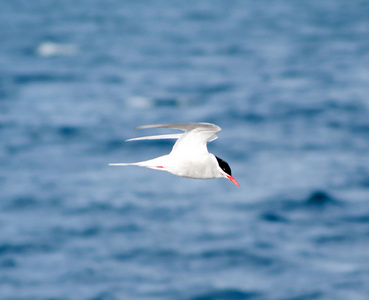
[192, 141]
[184, 126]
[157, 137]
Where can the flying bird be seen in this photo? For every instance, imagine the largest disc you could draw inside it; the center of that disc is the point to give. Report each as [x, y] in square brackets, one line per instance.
[189, 156]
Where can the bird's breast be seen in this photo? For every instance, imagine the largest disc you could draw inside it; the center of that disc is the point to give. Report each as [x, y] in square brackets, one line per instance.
[200, 167]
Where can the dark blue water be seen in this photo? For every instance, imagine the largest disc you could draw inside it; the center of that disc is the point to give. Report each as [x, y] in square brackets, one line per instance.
[288, 81]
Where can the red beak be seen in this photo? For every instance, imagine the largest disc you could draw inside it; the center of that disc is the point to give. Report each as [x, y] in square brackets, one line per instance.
[233, 180]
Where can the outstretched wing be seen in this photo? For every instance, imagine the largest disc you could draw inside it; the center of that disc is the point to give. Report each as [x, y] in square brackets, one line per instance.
[192, 141]
[157, 137]
[184, 126]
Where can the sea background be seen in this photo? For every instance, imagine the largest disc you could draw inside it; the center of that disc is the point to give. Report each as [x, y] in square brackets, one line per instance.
[288, 82]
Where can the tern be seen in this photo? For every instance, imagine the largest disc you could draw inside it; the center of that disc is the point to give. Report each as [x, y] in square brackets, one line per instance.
[189, 156]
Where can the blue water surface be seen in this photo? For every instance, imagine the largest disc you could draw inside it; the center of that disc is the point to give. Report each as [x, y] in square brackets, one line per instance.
[288, 82]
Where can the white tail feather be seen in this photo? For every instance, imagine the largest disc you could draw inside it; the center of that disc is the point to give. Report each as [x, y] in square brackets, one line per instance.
[158, 163]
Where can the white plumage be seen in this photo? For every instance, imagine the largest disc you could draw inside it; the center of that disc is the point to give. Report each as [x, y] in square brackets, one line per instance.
[189, 156]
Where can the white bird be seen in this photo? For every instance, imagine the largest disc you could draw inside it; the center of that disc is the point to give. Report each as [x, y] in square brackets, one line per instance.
[189, 156]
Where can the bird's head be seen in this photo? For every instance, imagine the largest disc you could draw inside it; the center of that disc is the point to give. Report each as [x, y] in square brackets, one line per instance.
[226, 170]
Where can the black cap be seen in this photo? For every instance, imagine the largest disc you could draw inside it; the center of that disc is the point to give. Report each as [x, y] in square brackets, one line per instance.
[224, 166]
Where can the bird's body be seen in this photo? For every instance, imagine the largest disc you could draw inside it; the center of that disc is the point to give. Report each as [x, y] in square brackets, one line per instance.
[189, 156]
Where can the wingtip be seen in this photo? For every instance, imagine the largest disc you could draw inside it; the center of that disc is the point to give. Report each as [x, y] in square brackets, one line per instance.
[146, 126]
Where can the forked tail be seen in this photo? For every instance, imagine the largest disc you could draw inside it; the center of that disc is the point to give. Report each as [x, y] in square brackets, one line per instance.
[123, 164]
[158, 163]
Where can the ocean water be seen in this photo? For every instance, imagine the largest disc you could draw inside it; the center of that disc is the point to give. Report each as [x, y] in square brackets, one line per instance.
[288, 82]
